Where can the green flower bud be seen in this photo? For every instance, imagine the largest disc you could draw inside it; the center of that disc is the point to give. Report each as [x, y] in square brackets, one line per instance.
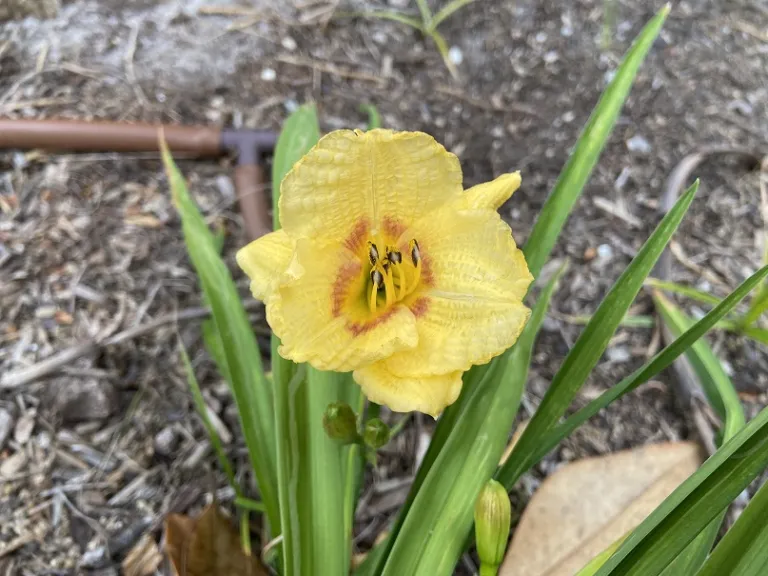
[340, 422]
[493, 513]
[376, 433]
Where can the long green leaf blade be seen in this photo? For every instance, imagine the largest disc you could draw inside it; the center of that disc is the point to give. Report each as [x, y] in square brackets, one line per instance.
[433, 533]
[683, 290]
[724, 400]
[574, 176]
[717, 385]
[693, 505]
[591, 343]
[250, 387]
[202, 411]
[658, 363]
[743, 551]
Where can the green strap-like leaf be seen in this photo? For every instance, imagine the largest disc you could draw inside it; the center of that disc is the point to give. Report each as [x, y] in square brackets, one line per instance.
[202, 412]
[725, 402]
[658, 363]
[717, 385]
[250, 388]
[433, 532]
[683, 290]
[591, 344]
[693, 505]
[743, 551]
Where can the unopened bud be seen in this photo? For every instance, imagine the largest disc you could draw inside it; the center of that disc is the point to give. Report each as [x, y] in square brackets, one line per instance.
[376, 433]
[340, 422]
[493, 514]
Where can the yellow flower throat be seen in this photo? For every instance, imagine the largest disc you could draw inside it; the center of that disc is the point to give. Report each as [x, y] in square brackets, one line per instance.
[392, 276]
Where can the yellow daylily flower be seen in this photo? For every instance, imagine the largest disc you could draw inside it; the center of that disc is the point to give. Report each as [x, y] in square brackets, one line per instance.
[387, 267]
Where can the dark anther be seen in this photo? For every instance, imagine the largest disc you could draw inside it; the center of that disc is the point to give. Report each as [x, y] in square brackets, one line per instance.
[415, 253]
[394, 256]
[377, 278]
[373, 253]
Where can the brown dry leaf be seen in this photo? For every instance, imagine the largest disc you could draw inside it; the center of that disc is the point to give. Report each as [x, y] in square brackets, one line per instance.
[207, 546]
[587, 505]
[143, 559]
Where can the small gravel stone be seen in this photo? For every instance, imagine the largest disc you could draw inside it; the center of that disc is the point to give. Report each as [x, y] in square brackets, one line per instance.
[288, 43]
[455, 55]
[166, 441]
[618, 354]
[24, 428]
[638, 144]
[605, 252]
[13, 464]
[268, 75]
[84, 400]
[6, 425]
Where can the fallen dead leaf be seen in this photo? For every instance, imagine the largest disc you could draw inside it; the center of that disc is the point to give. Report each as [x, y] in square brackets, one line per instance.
[207, 546]
[589, 504]
[143, 559]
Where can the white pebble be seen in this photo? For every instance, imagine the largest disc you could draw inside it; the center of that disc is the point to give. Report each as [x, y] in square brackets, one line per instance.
[268, 75]
[455, 55]
[618, 354]
[288, 43]
[638, 144]
[605, 251]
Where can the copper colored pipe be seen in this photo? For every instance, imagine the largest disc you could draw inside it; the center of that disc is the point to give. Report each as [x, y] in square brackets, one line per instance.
[81, 136]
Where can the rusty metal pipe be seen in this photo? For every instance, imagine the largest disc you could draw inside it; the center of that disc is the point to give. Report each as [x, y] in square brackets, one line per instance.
[201, 141]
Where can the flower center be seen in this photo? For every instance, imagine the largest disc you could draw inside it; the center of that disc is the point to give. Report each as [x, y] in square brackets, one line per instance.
[393, 275]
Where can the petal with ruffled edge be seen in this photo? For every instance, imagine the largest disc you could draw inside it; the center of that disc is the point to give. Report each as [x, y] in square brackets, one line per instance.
[493, 194]
[353, 176]
[319, 318]
[264, 261]
[472, 310]
[428, 394]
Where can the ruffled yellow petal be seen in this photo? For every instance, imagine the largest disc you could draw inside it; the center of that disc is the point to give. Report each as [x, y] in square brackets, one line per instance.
[264, 260]
[353, 177]
[428, 394]
[316, 324]
[493, 194]
[472, 308]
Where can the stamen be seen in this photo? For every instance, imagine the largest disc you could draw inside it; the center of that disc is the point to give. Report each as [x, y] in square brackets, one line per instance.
[389, 287]
[377, 280]
[416, 259]
[402, 278]
[373, 253]
[415, 252]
